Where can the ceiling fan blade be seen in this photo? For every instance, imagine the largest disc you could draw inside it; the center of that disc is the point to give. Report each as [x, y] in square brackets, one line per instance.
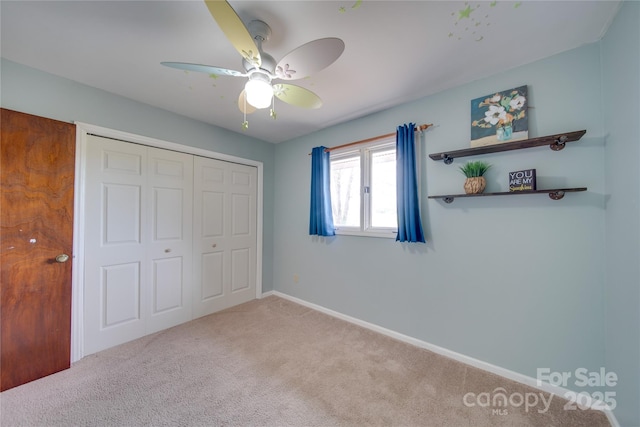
[232, 27]
[296, 95]
[309, 58]
[244, 106]
[208, 69]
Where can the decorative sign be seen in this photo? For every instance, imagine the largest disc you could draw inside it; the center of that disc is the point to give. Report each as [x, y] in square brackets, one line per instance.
[498, 118]
[522, 180]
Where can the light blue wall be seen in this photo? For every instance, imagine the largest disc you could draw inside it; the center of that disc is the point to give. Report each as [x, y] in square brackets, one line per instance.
[32, 91]
[621, 102]
[514, 281]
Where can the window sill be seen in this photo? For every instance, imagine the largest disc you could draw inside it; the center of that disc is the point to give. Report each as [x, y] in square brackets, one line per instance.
[391, 234]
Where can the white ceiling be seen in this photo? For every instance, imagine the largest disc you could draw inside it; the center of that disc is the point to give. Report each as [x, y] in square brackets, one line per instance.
[395, 52]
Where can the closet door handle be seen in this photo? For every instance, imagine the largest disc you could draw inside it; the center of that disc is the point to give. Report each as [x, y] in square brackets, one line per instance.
[214, 245]
[167, 250]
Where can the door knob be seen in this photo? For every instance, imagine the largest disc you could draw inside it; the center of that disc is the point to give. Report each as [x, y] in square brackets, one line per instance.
[62, 258]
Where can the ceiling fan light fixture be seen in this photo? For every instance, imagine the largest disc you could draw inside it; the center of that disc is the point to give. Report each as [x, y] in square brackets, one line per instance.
[259, 93]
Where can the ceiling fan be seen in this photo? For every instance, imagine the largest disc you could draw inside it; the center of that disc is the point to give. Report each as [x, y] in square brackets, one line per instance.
[261, 69]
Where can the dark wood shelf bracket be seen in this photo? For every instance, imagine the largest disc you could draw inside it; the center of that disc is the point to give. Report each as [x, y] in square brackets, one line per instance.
[559, 143]
[556, 195]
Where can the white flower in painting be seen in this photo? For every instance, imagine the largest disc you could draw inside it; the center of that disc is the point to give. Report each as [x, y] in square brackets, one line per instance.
[517, 102]
[495, 114]
[496, 98]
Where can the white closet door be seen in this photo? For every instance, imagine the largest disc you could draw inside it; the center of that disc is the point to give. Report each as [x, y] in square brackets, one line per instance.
[116, 276]
[224, 235]
[137, 241]
[170, 179]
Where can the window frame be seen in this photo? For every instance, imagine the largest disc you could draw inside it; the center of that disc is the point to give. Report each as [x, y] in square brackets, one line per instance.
[365, 153]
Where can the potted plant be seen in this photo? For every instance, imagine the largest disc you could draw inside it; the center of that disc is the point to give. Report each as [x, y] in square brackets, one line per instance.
[474, 171]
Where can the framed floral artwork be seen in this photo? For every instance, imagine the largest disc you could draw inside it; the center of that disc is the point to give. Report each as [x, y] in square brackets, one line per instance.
[499, 117]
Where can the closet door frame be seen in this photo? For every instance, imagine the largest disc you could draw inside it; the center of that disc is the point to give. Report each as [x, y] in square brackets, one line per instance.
[82, 130]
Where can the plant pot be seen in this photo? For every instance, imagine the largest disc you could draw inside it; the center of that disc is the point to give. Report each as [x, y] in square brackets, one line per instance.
[475, 185]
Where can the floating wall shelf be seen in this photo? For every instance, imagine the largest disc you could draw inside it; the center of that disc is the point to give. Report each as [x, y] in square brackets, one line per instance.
[555, 142]
[555, 194]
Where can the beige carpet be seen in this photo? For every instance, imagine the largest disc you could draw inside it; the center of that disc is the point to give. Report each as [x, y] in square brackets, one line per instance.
[271, 362]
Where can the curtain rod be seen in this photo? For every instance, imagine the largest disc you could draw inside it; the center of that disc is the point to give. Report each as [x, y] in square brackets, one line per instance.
[418, 128]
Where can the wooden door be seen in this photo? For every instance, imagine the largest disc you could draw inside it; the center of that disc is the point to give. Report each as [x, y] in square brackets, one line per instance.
[37, 177]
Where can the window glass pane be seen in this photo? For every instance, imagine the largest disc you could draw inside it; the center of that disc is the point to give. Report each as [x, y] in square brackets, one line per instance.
[345, 191]
[383, 189]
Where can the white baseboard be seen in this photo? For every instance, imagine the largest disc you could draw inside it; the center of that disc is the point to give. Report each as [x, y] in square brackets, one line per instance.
[505, 373]
[268, 294]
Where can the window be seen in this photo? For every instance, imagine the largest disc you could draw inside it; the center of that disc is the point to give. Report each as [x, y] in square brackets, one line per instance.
[363, 189]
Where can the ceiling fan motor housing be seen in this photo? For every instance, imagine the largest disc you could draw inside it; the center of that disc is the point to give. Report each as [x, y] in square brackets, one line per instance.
[259, 29]
[260, 32]
[268, 64]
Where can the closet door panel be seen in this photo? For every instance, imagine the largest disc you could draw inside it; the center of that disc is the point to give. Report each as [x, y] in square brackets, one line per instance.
[212, 215]
[212, 276]
[211, 266]
[170, 178]
[115, 267]
[168, 285]
[120, 294]
[240, 268]
[241, 230]
[122, 204]
[224, 234]
[211, 243]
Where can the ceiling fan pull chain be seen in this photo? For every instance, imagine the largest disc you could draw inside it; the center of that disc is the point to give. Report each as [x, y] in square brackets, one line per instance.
[273, 108]
[245, 123]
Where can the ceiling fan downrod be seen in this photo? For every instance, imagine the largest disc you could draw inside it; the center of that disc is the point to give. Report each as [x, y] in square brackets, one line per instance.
[258, 88]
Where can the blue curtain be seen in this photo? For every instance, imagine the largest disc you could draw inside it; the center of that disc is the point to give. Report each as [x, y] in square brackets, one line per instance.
[321, 217]
[409, 223]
